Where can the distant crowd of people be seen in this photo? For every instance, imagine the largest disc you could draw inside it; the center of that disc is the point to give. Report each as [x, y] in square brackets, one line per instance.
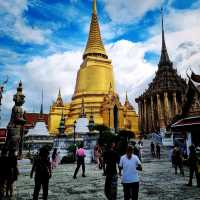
[155, 150]
[107, 158]
[113, 164]
[178, 161]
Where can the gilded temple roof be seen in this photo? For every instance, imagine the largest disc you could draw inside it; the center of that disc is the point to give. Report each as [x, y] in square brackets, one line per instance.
[94, 43]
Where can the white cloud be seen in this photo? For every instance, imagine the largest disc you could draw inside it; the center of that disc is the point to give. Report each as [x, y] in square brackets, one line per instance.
[110, 31]
[132, 71]
[14, 23]
[121, 11]
[129, 64]
[182, 39]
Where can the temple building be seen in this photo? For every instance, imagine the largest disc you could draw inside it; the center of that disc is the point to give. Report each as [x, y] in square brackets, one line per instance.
[188, 124]
[163, 99]
[38, 137]
[96, 86]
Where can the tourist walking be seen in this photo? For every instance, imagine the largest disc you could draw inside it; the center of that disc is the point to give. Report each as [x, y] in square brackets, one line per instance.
[42, 169]
[130, 164]
[12, 172]
[111, 159]
[136, 149]
[98, 155]
[80, 155]
[140, 147]
[193, 166]
[3, 172]
[157, 151]
[55, 159]
[177, 160]
[153, 150]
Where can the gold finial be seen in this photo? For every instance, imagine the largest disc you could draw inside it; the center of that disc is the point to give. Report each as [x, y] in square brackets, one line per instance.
[95, 45]
[94, 7]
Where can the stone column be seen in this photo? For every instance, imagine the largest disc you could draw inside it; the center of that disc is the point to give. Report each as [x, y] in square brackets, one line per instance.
[182, 101]
[152, 113]
[145, 115]
[140, 114]
[175, 107]
[160, 112]
[149, 116]
[166, 107]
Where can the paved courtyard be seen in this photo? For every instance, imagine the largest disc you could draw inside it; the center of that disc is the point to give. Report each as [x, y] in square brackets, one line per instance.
[157, 182]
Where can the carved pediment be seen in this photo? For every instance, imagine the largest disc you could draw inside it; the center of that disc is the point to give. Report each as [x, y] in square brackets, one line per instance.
[195, 105]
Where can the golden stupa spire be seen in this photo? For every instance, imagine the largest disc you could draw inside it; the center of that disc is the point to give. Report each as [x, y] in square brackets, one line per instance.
[95, 45]
[59, 101]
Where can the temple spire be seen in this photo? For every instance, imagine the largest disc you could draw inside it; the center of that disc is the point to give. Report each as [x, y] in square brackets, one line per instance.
[94, 7]
[164, 58]
[95, 45]
[41, 107]
[82, 115]
[126, 97]
[59, 101]
[62, 125]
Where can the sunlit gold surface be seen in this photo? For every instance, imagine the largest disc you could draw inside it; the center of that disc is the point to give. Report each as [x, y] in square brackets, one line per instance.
[95, 84]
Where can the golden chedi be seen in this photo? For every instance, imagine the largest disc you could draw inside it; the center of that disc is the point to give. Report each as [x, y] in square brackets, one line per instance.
[95, 90]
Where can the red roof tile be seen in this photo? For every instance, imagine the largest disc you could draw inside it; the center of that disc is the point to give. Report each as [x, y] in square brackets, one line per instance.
[32, 118]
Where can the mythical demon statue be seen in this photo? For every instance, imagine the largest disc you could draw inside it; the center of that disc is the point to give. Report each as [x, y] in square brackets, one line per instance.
[15, 126]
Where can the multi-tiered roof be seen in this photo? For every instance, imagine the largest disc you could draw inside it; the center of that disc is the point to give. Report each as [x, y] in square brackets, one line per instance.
[166, 78]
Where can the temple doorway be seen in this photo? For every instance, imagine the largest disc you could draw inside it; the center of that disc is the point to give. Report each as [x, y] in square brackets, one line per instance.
[115, 111]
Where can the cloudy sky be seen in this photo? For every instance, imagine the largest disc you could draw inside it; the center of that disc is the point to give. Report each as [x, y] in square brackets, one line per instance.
[42, 42]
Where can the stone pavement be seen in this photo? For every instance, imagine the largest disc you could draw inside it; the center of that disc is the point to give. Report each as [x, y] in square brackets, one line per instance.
[157, 182]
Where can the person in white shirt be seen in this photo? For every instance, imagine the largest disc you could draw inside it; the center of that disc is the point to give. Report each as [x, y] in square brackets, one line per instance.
[130, 165]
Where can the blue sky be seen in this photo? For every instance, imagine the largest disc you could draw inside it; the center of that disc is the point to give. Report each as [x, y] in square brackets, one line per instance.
[42, 41]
